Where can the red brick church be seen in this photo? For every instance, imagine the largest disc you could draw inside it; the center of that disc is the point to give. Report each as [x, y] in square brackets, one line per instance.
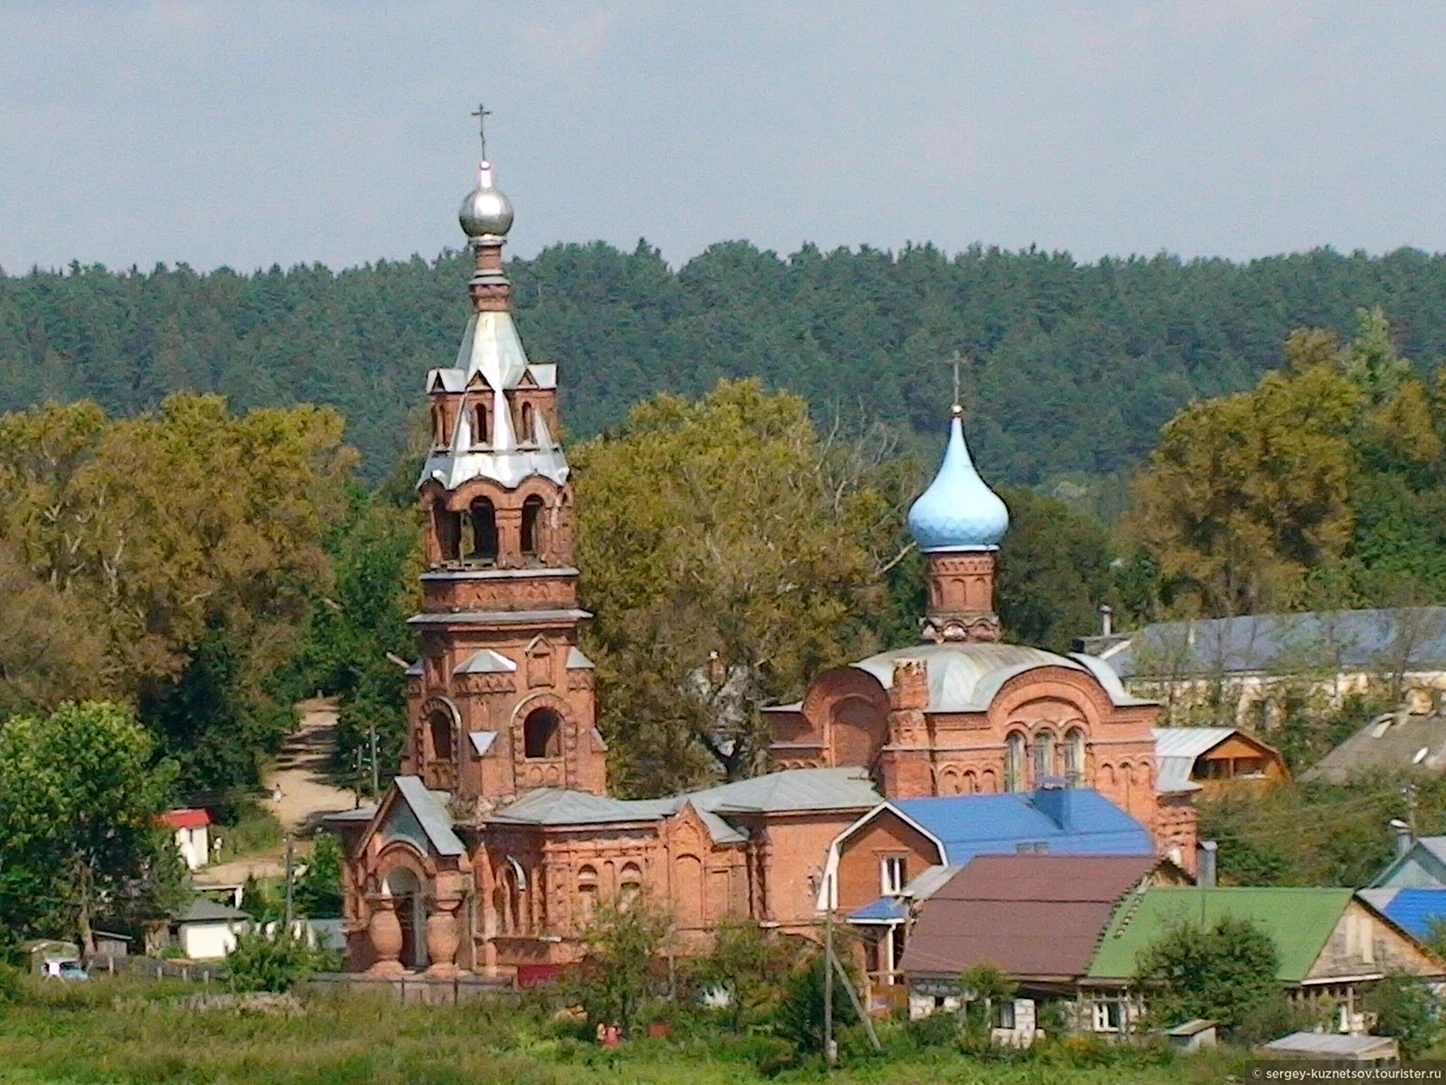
[499, 836]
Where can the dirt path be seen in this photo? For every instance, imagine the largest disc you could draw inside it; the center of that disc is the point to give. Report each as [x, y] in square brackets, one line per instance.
[299, 775]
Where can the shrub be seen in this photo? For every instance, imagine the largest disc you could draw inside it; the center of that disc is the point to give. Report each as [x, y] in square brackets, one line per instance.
[939, 1029]
[799, 1016]
[619, 973]
[1406, 1008]
[1225, 972]
[262, 962]
[12, 984]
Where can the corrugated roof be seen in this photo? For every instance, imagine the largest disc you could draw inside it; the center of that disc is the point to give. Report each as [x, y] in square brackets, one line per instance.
[1188, 742]
[970, 825]
[1030, 915]
[920, 889]
[1176, 749]
[1299, 920]
[1340, 639]
[1395, 743]
[1335, 1045]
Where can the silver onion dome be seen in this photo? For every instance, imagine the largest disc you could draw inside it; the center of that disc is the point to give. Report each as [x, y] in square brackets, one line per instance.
[486, 211]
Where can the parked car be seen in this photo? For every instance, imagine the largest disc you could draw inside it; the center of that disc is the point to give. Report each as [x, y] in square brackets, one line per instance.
[64, 968]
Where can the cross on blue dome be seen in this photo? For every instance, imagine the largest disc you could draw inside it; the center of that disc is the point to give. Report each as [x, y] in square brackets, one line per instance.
[958, 511]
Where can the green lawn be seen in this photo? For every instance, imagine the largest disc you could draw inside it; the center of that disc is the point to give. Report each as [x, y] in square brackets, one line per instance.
[118, 1031]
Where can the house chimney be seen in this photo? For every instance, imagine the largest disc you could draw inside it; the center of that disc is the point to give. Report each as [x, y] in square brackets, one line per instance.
[1107, 619]
[1205, 868]
[1404, 836]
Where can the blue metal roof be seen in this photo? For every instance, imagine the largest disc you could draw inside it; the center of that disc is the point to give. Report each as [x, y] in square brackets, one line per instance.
[1064, 821]
[883, 910]
[1416, 910]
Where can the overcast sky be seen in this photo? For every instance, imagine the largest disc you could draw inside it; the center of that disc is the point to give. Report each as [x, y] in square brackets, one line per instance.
[252, 133]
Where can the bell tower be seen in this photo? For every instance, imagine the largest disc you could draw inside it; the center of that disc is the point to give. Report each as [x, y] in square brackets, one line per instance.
[502, 700]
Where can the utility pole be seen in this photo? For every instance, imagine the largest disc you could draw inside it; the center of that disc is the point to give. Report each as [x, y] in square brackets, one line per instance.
[828, 1051]
[290, 852]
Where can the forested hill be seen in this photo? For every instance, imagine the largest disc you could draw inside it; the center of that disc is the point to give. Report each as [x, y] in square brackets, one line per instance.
[1079, 363]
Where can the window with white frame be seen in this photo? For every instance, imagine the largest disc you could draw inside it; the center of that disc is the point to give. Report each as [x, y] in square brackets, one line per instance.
[1107, 1016]
[893, 873]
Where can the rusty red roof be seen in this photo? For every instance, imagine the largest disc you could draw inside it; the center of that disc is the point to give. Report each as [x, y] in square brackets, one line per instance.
[1035, 916]
[185, 819]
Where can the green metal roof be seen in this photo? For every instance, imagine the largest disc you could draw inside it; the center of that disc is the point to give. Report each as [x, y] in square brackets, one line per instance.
[1300, 921]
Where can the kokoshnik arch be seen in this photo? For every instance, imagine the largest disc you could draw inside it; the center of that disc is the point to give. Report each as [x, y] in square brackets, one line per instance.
[498, 836]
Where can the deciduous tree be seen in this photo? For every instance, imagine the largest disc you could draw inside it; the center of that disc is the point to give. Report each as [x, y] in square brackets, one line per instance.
[80, 791]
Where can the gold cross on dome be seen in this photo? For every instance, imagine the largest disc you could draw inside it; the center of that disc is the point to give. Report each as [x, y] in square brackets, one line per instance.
[482, 113]
[957, 360]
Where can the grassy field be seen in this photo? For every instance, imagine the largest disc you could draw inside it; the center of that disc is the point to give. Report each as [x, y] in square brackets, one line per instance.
[123, 1031]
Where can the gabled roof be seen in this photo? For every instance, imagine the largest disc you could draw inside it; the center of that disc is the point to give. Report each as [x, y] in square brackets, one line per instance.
[970, 825]
[1415, 910]
[1300, 921]
[1425, 851]
[1396, 741]
[1340, 639]
[964, 676]
[430, 810]
[185, 818]
[1030, 915]
[1176, 749]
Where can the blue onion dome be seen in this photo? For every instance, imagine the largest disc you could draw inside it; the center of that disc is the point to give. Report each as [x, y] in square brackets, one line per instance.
[958, 511]
[485, 212]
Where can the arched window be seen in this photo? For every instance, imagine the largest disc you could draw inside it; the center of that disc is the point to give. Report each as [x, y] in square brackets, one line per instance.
[1014, 762]
[484, 530]
[440, 725]
[630, 884]
[529, 425]
[439, 425]
[542, 734]
[586, 892]
[1074, 756]
[1043, 755]
[481, 435]
[532, 525]
[447, 527]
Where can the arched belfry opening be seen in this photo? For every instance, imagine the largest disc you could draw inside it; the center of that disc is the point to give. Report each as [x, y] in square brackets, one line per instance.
[542, 734]
[532, 526]
[439, 726]
[484, 530]
[529, 424]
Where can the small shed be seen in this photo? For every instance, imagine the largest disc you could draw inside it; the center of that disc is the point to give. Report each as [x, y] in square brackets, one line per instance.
[1332, 1047]
[112, 944]
[1193, 1035]
[206, 930]
[190, 827]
